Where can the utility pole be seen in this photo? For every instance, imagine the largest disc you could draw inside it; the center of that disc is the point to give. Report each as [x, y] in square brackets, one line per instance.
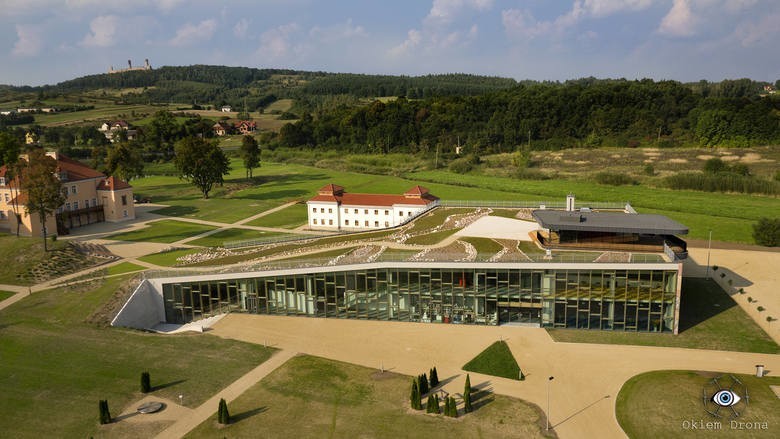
[548, 401]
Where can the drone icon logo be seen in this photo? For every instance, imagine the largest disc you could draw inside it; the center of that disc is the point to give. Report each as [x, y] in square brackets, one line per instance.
[727, 394]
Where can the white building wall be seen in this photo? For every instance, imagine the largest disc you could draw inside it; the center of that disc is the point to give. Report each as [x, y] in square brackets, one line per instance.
[324, 215]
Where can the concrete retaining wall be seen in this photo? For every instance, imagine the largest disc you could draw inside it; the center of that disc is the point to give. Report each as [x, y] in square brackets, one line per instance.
[143, 310]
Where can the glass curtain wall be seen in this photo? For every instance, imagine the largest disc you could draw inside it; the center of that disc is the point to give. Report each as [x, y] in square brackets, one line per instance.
[623, 300]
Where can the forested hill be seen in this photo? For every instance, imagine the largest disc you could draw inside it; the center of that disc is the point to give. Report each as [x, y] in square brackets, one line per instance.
[218, 85]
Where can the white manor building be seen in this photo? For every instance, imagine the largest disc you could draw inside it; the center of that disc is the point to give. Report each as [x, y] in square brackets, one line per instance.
[334, 209]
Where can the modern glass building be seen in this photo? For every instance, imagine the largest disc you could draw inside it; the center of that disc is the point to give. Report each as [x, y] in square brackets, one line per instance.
[641, 297]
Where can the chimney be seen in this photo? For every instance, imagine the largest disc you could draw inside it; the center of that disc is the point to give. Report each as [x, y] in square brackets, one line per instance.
[570, 203]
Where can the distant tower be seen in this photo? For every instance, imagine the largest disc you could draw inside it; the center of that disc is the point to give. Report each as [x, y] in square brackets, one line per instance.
[129, 64]
[146, 64]
[570, 203]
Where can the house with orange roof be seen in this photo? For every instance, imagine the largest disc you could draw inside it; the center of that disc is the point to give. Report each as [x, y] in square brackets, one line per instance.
[335, 209]
[246, 126]
[91, 197]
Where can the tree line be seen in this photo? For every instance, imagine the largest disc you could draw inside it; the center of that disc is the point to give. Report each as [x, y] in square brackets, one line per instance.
[544, 116]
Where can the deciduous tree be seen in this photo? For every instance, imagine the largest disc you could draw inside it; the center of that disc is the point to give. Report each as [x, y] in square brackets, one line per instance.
[201, 162]
[43, 188]
[250, 152]
[124, 161]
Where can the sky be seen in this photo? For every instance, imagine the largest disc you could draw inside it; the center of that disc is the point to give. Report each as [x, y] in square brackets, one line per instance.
[48, 41]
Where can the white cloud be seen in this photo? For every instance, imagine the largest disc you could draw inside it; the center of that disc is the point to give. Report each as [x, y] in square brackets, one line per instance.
[102, 31]
[603, 8]
[412, 41]
[190, 33]
[445, 11]
[29, 41]
[338, 32]
[241, 28]
[679, 21]
[277, 42]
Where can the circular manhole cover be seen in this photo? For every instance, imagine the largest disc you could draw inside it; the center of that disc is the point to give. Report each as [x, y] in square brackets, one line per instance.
[150, 407]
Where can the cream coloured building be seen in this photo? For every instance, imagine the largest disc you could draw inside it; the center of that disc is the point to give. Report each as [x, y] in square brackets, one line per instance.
[335, 209]
[91, 197]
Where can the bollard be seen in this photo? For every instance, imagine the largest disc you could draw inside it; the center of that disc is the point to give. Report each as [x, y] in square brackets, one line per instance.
[759, 370]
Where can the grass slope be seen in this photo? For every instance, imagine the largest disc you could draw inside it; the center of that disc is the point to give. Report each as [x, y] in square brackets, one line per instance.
[709, 319]
[218, 239]
[496, 360]
[656, 405]
[21, 254]
[5, 295]
[316, 397]
[56, 367]
[167, 259]
[289, 218]
[165, 231]
[124, 267]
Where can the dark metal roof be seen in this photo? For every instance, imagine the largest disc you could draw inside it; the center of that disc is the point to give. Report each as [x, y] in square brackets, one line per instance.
[615, 222]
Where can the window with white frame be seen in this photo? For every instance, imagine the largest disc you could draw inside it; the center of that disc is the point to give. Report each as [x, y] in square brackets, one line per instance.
[314, 221]
[376, 223]
[75, 205]
[330, 222]
[387, 212]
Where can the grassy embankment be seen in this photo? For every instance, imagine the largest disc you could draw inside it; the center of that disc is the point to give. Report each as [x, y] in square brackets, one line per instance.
[56, 363]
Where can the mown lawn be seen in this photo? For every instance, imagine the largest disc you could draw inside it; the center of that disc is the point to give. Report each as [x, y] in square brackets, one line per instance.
[663, 403]
[709, 319]
[55, 367]
[168, 259]
[124, 267]
[288, 218]
[483, 245]
[496, 360]
[164, 231]
[5, 295]
[316, 397]
[218, 239]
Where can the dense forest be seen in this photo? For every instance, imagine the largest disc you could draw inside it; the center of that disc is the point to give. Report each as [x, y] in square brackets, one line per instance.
[545, 116]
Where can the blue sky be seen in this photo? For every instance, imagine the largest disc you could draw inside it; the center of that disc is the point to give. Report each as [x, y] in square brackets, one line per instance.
[47, 41]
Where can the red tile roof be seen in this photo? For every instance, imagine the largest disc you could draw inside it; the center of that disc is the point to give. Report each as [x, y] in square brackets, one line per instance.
[334, 193]
[112, 184]
[76, 171]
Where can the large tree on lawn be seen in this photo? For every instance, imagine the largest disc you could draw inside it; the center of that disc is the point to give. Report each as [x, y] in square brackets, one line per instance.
[201, 162]
[124, 161]
[42, 187]
[250, 152]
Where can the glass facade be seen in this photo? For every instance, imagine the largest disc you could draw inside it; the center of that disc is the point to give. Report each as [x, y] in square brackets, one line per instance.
[606, 299]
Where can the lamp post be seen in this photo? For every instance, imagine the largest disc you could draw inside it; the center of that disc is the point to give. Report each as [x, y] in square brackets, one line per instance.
[548, 401]
[709, 245]
[181, 398]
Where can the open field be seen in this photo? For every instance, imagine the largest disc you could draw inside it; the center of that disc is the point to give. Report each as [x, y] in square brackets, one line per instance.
[709, 319]
[26, 263]
[344, 400]
[729, 216]
[164, 231]
[658, 404]
[99, 114]
[56, 365]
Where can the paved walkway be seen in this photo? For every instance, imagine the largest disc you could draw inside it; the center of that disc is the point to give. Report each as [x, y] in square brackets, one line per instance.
[588, 377]
[195, 417]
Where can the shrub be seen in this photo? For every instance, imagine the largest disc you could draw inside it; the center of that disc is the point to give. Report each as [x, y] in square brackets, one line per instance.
[423, 382]
[105, 415]
[722, 182]
[722, 275]
[715, 268]
[715, 165]
[770, 319]
[750, 299]
[760, 308]
[223, 417]
[766, 232]
[415, 398]
[429, 405]
[741, 291]
[436, 408]
[613, 179]
[434, 381]
[467, 395]
[460, 166]
[146, 385]
[649, 170]
[453, 407]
